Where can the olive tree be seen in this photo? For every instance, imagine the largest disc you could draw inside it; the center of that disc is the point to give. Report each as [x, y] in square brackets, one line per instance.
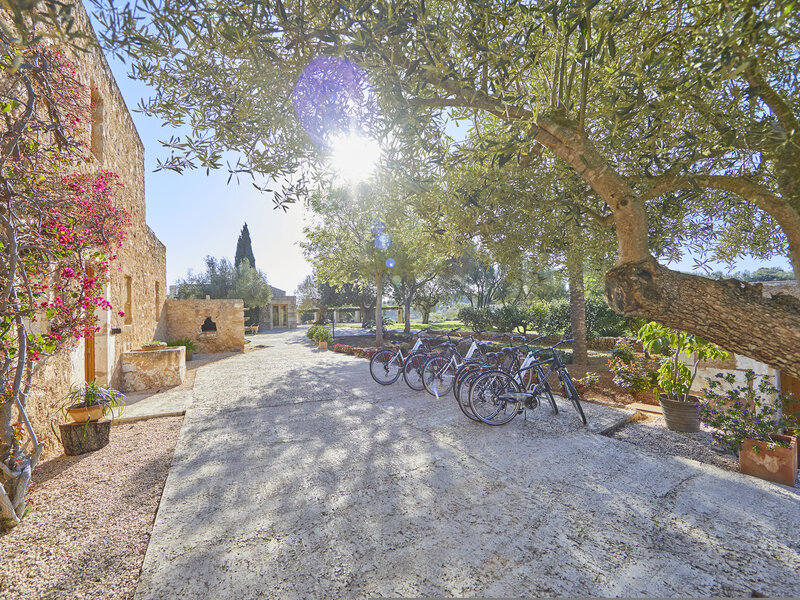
[648, 102]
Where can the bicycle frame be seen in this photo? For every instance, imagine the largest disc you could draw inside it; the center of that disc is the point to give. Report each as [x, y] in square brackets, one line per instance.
[404, 357]
[554, 365]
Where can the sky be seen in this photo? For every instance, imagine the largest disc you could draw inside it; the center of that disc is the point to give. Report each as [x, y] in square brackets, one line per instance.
[195, 214]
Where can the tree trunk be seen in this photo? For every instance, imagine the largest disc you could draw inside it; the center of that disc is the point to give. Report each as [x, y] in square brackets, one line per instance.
[426, 317]
[379, 309]
[731, 313]
[407, 307]
[321, 316]
[577, 310]
[80, 438]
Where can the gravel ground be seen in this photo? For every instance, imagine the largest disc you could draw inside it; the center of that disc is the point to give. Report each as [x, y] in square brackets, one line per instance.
[92, 517]
[651, 435]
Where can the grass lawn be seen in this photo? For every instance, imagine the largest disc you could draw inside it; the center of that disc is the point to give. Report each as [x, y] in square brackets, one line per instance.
[414, 325]
[434, 325]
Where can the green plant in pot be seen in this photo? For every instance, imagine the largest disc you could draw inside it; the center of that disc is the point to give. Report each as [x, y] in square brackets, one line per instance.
[323, 337]
[91, 401]
[675, 377]
[85, 406]
[187, 343]
[752, 421]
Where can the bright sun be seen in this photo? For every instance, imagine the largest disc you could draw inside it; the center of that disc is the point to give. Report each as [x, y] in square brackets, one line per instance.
[354, 157]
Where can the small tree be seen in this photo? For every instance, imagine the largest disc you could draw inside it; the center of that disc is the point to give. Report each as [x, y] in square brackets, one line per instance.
[429, 295]
[59, 231]
[250, 285]
[215, 282]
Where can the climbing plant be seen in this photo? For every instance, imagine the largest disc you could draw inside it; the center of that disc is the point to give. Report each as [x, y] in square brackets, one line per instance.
[60, 229]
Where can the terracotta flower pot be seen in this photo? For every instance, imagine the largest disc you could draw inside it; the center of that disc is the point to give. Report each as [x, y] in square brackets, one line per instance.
[778, 465]
[680, 416]
[80, 414]
[323, 345]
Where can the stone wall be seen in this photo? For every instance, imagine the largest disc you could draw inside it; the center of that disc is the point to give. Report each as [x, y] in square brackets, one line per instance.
[185, 319]
[153, 369]
[142, 258]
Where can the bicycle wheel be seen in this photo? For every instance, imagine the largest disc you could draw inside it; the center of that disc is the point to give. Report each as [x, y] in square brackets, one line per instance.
[384, 367]
[462, 372]
[437, 376]
[494, 398]
[464, 385]
[572, 394]
[412, 371]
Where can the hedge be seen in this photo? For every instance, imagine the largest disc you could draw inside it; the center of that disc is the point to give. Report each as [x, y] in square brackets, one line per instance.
[548, 317]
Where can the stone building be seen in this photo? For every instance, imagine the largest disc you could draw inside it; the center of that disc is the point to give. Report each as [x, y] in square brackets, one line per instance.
[138, 277]
[280, 313]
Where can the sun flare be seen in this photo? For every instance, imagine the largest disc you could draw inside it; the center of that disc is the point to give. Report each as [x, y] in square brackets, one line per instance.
[354, 157]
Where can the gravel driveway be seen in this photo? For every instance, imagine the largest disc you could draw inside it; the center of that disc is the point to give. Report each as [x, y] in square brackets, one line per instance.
[296, 476]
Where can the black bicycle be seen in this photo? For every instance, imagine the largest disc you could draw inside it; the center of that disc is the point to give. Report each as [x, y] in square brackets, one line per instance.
[496, 396]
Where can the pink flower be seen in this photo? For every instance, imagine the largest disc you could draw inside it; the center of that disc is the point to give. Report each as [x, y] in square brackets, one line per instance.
[68, 272]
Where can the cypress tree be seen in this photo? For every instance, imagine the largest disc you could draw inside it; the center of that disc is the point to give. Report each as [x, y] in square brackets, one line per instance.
[244, 249]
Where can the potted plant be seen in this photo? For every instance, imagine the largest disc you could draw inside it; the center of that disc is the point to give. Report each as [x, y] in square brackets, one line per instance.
[187, 343]
[322, 337]
[154, 345]
[749, 420]
[675, 377]
[91, 402]
[85, 406]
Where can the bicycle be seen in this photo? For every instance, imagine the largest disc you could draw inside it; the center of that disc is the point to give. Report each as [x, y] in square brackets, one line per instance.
[386, 364]
[508, 359]
[439, 371]
[496, 397]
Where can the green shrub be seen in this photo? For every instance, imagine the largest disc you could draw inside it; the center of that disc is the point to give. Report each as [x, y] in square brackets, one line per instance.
[637, 375]
[322, 334]
[476, 318]
[312, 330]
[602, 321]
[556, 318]
[186, 342]
[624, 350]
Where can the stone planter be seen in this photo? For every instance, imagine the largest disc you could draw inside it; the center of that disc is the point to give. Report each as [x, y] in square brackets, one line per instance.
[80, 438]
[778, 465]
[680, 416]
[80, 414]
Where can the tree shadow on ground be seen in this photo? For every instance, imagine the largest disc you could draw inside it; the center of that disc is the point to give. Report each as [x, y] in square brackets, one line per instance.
[318, 482]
